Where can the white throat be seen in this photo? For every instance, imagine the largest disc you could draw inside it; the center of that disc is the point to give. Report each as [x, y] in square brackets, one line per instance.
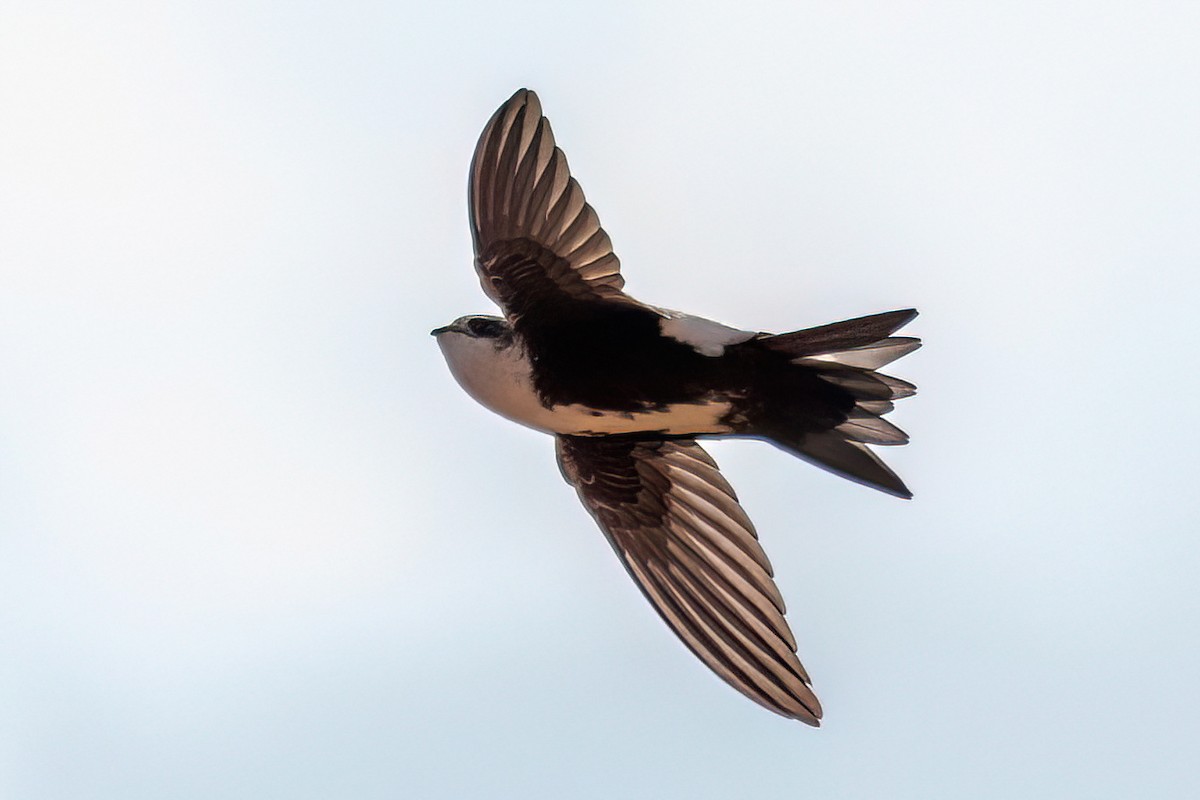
[498, 377]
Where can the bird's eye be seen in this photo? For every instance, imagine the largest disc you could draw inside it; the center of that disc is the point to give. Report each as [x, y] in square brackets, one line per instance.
[485, 328]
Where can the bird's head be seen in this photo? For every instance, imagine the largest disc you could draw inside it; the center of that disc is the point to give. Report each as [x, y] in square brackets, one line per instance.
[475, 326]
[469, 341]
[486, 360]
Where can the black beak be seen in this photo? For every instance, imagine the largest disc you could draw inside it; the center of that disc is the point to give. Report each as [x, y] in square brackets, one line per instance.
[442, 329]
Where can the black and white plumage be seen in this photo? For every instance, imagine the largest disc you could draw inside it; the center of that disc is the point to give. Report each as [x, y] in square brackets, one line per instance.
[627, 388]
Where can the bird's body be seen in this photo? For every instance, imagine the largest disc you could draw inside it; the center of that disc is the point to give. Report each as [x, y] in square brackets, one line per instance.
[620, 384]
[627, 388]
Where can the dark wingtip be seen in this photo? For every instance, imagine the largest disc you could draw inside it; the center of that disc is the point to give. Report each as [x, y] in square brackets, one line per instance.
[811, 719]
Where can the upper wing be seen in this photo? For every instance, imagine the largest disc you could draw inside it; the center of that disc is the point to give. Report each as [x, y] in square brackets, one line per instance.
[537, 242]
[678, 528]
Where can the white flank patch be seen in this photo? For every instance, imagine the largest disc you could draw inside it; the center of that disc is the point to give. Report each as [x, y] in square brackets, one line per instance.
[706, 337]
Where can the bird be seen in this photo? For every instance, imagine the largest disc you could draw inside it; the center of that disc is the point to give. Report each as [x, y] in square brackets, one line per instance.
[627, 389]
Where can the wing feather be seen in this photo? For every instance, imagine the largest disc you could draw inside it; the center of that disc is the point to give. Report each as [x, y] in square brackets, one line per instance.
[537, 241]
[677, 526]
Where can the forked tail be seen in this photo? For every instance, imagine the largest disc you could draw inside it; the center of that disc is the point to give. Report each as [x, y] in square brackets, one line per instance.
[845, 356]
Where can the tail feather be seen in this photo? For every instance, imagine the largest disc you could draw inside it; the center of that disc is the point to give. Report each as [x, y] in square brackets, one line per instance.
[900, 389]
[870, 385]
[869, 428]
[845, 335]
[867, 356]
[846, 355]
[849, 459]
[877, 407]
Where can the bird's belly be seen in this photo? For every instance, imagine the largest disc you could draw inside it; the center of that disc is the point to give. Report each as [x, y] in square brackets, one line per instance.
[676, 419]
[502, 382]
[521, 404]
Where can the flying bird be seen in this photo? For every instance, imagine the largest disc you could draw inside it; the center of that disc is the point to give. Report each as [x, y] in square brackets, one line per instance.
[627, 388]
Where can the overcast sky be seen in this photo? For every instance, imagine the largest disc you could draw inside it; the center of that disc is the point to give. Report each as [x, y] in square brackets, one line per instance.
[255, 542]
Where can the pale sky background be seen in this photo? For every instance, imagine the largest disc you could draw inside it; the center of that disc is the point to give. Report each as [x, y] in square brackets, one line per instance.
[256, 543]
